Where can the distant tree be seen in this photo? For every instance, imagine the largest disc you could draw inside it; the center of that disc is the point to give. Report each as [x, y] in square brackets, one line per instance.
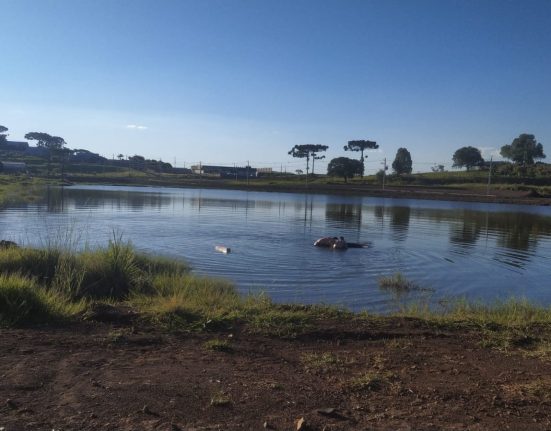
[361, 146]
[306, 152]
[54, 144]
[437, 168]
[344, 167]
[120, 156]
[314, 158]
[3, 136]
[467, 157]
[137, 158]
[402, 164]
[137, 161]
[523, 149]
[45, 140]
[299, 172]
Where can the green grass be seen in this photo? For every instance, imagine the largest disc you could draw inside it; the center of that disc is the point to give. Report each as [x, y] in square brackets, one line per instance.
[111, 272]
[513, 313]
[370, 381]
[20, 189]
[54, 284]
[322, 362]
[220, 399]
[218, 345]
[23, 301]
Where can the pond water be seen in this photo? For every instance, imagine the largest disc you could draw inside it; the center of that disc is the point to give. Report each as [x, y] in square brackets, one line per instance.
[448, 249]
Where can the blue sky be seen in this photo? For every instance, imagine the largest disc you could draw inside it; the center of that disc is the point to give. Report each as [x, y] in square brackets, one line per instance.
[235, 80]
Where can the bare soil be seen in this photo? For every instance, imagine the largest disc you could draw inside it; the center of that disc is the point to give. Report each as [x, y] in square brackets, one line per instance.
[381, 374]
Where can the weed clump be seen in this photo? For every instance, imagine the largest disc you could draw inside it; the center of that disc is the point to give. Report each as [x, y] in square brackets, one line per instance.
[397, 282]
[112, 272]
[218, 345]
[22, 301]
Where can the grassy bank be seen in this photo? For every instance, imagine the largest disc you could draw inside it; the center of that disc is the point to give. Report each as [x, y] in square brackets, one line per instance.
[54, 285]
[20, 189]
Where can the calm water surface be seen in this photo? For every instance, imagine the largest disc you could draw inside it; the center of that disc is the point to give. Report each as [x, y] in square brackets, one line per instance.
[478, 251]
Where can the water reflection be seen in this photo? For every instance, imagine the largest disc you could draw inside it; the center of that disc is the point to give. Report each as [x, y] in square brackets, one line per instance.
[399, 222]
[465, 233]
[56, 197]
[516, 231]
[348, 214]
[505, 248]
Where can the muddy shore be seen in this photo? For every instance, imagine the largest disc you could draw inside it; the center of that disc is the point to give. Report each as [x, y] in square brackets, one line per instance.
[379, 374]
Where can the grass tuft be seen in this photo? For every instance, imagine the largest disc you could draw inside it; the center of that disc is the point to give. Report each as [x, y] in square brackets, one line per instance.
[218, 345]
[22, 302]
[220, 399]
[513, 313]
[322, 362]
[371, 381]
[396, 282]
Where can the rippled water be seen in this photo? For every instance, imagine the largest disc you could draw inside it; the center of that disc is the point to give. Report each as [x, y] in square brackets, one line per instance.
[479, 251]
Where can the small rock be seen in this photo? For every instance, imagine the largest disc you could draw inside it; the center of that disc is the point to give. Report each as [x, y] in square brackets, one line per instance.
[301, 424]
[11, 404]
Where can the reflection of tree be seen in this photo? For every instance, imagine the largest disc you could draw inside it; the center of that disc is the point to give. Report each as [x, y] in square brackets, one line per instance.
[55, 199]
[399, 221]
[519, 231]
[379, 212]
[85, 199]
[516, 231]
[465, 233]
[347, 214]
[222, 203]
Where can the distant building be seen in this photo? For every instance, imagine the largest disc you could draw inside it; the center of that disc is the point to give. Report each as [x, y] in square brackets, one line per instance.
[14, 145]
[37, 151]
[264, 171]
[180, 170]
[224, 171]
[13, 167]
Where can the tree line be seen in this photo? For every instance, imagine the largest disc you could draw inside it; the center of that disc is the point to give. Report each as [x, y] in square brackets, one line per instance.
[57, 150]
[524, 150]
[346, 167]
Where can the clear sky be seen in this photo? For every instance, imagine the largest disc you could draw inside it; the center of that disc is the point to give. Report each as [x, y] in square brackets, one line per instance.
[226, 81]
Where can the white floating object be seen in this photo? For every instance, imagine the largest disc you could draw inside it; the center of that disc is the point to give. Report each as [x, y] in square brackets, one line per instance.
[222, 249]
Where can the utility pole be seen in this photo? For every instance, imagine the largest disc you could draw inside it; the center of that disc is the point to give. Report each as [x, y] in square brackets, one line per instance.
[248, 167]
[384, 172]
[235, 171]
[489, 178]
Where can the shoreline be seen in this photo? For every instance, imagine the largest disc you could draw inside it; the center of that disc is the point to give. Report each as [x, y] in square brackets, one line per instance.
[137, 342]
[441, 193]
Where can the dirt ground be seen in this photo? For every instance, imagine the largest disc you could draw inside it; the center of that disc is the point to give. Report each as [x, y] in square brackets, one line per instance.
[387, 374]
